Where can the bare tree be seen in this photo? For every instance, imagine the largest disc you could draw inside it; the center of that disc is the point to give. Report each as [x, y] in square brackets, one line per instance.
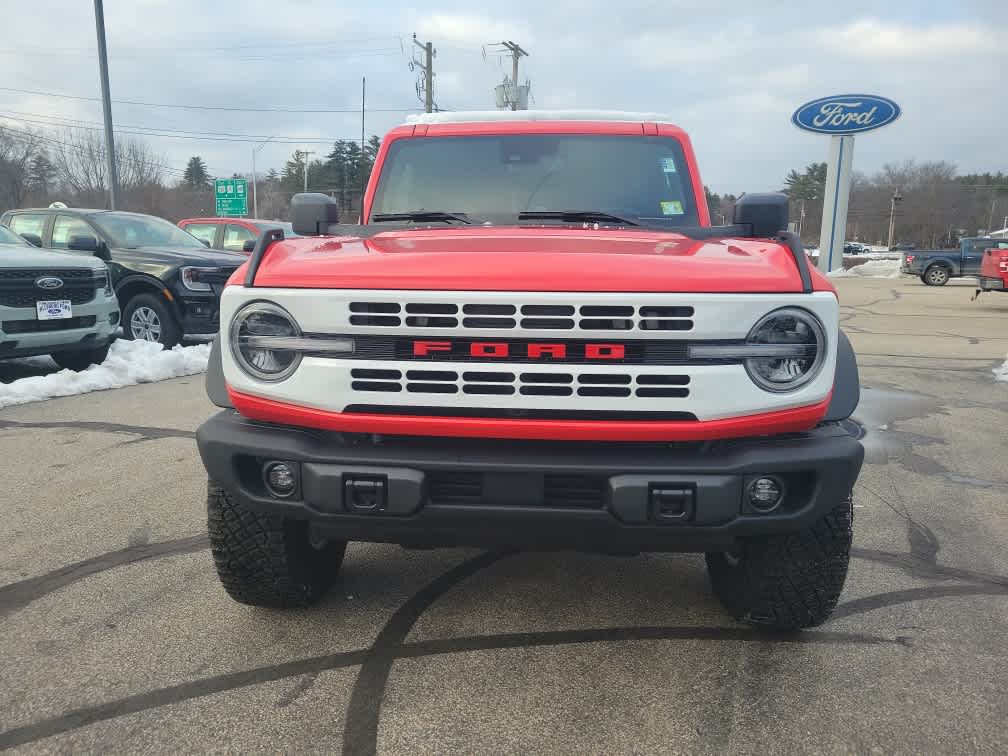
[18, 148]
[79, 159]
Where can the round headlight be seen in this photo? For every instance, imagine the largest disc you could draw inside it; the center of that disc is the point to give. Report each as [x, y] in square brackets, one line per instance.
[802, 342]
[254, 326]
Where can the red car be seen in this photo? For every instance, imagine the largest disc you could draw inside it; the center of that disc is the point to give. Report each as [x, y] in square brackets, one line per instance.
[232, 234]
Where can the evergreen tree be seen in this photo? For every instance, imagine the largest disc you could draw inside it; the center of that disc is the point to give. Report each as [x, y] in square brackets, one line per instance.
[196, 176]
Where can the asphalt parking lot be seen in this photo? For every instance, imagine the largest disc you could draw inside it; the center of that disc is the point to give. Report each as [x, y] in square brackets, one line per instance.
[116, 635]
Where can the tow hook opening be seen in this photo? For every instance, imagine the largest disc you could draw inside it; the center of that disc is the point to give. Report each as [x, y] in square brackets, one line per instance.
[366, 494]
[671, 503]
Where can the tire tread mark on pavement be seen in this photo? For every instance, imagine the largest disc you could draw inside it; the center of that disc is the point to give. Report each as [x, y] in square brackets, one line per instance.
[314, 665]
[148, 433]
[360, 733]
[16, 596]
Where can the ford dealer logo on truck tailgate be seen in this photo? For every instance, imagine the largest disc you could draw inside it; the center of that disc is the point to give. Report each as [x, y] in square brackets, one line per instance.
[845, 114]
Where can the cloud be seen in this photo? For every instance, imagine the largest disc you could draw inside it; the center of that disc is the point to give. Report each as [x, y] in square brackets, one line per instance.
[876, 39]
[470, 30]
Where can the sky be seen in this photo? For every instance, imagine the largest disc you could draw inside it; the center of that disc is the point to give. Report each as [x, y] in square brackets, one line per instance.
[729, 72]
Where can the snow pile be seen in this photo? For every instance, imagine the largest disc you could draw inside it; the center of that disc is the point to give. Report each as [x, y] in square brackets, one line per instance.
[128, 363]
[870, 269]
[1001, 373]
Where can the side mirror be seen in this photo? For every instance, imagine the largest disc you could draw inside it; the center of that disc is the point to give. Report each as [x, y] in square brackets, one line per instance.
[83, 243]
[766, 214]
[205, 242]
[34, 239]
[312, 213]
[249, 245]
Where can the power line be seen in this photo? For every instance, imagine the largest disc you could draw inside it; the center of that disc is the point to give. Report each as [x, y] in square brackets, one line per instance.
[40, 119]
[340, 43]
[230, 108]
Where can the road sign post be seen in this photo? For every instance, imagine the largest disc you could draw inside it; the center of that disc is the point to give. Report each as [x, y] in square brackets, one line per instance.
[231, 197]
[840, 116]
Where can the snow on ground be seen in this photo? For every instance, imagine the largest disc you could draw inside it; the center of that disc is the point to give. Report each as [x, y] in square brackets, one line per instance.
[128, 363]
[1001, 373]
[870, 269]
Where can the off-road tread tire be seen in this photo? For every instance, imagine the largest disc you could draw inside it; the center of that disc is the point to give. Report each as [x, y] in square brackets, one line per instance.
[80, 359]
[171, 331]
[265, 559]
[788, 581]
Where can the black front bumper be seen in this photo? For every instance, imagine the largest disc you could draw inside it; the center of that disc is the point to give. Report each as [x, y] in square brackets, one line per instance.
[611, 497]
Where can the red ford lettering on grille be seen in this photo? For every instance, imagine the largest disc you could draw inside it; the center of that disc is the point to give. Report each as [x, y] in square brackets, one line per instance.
[495, 349]
[604, 351]
[424, 348]
[502, 350]
[556, 351]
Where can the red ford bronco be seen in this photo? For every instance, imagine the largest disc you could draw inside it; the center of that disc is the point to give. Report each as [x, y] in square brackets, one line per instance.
[535, 339]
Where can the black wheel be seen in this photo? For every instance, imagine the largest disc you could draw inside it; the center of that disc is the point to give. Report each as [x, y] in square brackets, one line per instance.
[147, 318]
[788, 581]
[80, 359]
[936, 275]
[268, 560]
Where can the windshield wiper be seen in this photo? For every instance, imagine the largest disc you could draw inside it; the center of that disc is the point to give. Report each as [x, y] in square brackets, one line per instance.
[422, 216]
[577, 216]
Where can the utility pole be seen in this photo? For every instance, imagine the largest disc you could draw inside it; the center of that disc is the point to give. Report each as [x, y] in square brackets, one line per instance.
[892, 214]
[303, 154]
[113, 176]
[427, 72]
[990, 218]
[516, 53]
[255, 194]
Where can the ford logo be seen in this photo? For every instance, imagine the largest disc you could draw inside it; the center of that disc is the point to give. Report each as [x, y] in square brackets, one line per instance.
[49, 282]
[845, 114]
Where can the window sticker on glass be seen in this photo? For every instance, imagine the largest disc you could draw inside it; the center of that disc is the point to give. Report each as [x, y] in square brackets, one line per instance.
[668, 165]
[671, 207]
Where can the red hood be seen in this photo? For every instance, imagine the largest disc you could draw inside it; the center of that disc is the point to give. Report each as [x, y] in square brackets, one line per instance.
[530, 259]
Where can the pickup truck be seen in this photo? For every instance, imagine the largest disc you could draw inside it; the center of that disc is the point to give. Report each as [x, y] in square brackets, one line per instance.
[994, 270]
[936, 266]
[535, 340]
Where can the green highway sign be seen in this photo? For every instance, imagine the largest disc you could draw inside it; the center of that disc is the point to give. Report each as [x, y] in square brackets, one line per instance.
[231, 196]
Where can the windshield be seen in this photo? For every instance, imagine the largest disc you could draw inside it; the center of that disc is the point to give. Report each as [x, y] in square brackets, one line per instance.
[494, 178]
[9, 237]
[133, 231]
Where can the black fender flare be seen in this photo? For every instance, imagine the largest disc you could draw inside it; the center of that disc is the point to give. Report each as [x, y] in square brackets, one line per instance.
[846, 382]
[216, 388]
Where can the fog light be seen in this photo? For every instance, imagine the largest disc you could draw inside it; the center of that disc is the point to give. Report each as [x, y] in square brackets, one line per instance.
[281, 479]
[765, 494]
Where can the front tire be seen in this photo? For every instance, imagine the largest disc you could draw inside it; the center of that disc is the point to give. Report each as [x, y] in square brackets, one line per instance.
[936, 275]
[80, 359]
[267, 560]
[147, 318]
[788, 581]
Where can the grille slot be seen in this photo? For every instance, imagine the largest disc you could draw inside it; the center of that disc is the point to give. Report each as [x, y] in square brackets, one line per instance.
[548, 310]
[375, 386]
[485, 322]
[376, 374]
[603, 391]
[478, 377]
[375, 320]
[663, 380]
[431, 375]
[595, 324]
[488, 309]
[580, 491]
[500, 389]
[375, 308]
[427, 321]
[561, 324]
[432, 388]
[431, 308]
[606, 311]
[609, 378]
[666, 318]
[454, 487]
[668, 391]
[547, 390]
[41, 326]
[547, 377]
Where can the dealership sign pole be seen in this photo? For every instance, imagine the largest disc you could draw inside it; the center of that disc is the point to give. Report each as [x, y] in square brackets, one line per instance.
[841, 116]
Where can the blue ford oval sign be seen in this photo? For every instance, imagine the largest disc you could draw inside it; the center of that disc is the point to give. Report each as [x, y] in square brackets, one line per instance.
[846, 114]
